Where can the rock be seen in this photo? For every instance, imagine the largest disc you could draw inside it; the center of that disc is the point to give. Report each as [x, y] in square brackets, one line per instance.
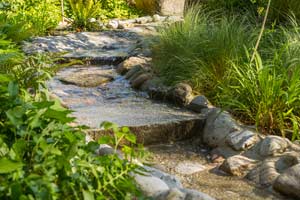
[138, 81]
[219, 124]
[268, 170]
[188, 168]
[86, 79]
[113, 24]
[163, 7]
[83, 76]
[144, 20]
[198, 103]
[150, 185]
[104, 150]
[288, 182]
[238, 165]
[195, 195]
[170, 180]
[136, 69]
[172, 194]
[273, 145]
[181, 94]
[126, 65]
[173, 19]
[242, 140]
[156, 18]
[156, 89]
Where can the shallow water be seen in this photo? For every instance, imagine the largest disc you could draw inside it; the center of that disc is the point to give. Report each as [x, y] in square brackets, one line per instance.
[114, 101]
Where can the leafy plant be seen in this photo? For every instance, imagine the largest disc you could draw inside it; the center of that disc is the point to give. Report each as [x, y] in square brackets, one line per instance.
[117, 9]
[45, 158]
[23, 18]
[82, 11]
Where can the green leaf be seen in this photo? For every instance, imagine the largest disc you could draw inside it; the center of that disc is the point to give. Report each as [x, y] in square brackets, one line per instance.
[7, 166]
[87, 195]
[15, 115]
[13, 89]
[131, 138]
[105, 140]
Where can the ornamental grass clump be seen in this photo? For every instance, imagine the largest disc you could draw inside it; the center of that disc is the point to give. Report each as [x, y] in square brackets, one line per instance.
[198, 50]
[267, 92]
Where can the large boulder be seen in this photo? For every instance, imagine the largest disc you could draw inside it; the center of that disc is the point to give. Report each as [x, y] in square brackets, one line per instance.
[219, 124]
[163, 7]
[270, 169]
[288, 182]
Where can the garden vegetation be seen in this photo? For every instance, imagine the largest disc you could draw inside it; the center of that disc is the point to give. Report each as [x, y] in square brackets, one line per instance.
[42, 155]
[212, 51]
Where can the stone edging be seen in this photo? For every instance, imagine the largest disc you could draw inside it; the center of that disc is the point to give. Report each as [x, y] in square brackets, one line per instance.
[269, 161]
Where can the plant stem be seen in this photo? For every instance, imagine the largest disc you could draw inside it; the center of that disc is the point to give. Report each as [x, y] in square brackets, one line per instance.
[261, 31]
[62, 11]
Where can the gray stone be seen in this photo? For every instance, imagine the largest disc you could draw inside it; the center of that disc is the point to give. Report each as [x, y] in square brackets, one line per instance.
[150, 185]
[170, 180]
[198, 103]
[138, 81]
[172, 194]
[87, 77]
[181, 94]
[104, 150]
[156, 89]
[288, 182]
[156, 18]
[268, 170]
[242, 140]
[136, 69]
[144, 20]
[196, 195]
[172, 19]
[113, 24]
[238, 165]
[129, 63]
[188, 168]
[273, 145]
[219, 124]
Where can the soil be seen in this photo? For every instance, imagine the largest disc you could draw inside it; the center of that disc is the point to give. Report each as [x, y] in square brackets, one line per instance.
[192, 165]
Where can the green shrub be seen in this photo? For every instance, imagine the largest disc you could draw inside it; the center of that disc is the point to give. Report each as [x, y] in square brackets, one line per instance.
[82, 11]
[117, 9]
[266, 96]
[28, 17]
[41, 155]
[280, 9]
[44, 158]
[198, 50]
[267, 93]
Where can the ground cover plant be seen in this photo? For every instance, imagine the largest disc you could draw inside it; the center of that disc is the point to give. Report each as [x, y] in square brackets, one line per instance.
[212, 51]
[82, 11]
[20, 19]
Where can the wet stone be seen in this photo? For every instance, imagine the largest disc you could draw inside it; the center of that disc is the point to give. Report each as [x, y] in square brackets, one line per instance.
[87, 77]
